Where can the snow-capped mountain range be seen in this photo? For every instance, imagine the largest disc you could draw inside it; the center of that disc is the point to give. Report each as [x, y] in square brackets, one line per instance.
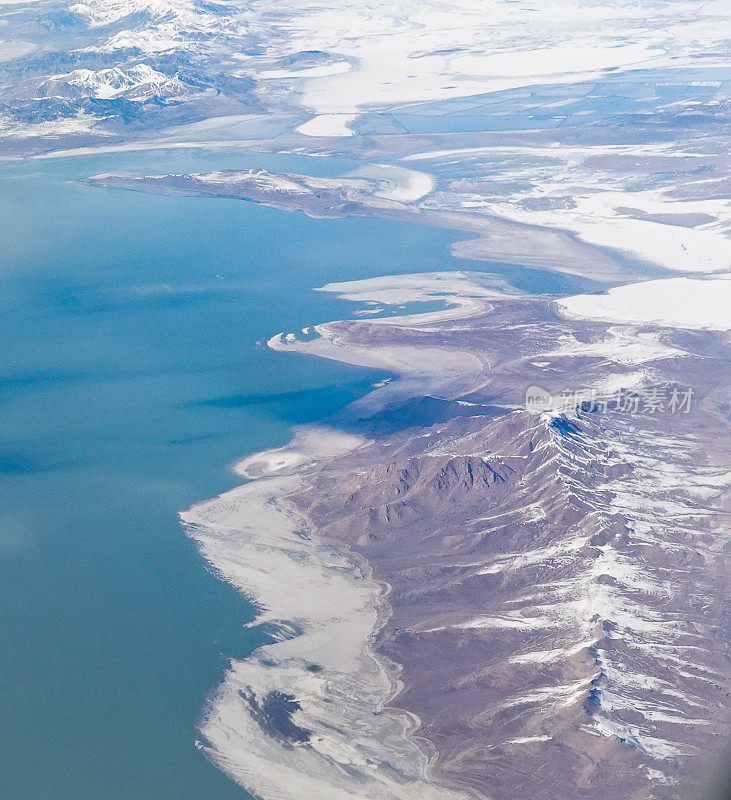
[308, 56]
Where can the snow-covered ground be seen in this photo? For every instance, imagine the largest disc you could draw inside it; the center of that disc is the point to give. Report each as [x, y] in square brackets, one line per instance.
[137, 84]
[327, 125]
[15, 48]
[613, 187]
[601, 195]
[341, 60]
[445, 49]
[675, 302]
[397, 183]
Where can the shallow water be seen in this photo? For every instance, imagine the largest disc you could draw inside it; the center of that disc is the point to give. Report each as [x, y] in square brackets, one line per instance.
[130, 380]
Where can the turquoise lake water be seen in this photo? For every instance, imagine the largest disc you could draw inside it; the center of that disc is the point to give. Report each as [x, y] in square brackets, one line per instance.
[130, 380]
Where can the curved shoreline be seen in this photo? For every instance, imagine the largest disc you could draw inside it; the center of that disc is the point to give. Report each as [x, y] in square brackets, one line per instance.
[320, 598]
[324, 624]
[443, 508]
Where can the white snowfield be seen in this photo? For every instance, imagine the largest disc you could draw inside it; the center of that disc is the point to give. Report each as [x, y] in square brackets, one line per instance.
[391, 52]
[100, 13]
[51, 129]
[138, 83]
[396, 183]
[333, 68]
[443, 49]
[327, 125]
[168, 25]
[675, 302]
[706, 248]
[597, 218]
[14, 48]
[386, 53]
[561, 187]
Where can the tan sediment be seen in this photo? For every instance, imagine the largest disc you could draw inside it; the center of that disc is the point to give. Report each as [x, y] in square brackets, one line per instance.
[323, 599]
[329, 609]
